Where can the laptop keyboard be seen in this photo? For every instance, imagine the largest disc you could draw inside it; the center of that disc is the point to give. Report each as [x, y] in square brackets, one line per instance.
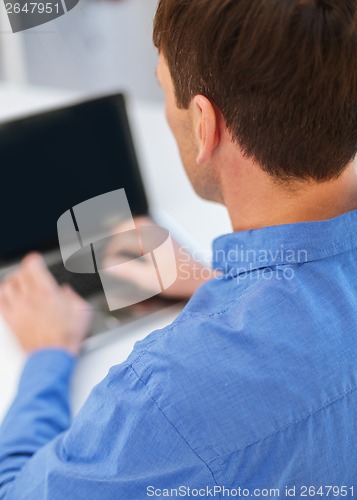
[84, 284]
[90, 287]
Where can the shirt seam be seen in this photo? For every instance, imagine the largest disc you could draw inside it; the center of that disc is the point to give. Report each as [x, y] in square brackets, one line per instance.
[196, 316]
[349, 246]
[217, 459]
[221, 458]
[292, 424]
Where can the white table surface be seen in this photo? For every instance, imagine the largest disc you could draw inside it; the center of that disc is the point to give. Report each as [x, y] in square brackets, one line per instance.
[170, 195]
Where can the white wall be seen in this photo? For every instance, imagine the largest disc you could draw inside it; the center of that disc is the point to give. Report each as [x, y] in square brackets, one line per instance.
[101, 45]
[12, 63]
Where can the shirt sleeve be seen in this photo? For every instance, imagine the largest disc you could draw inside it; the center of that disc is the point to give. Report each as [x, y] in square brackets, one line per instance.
[120, 445]
[39, 413]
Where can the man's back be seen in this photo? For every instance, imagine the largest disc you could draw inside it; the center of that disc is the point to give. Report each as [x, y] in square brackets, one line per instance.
[258, 375]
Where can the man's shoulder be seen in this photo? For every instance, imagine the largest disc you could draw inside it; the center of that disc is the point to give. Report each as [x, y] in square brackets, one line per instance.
[217, 309]
[216, 323]
[213, 303]
[248, 347]
[213, 356]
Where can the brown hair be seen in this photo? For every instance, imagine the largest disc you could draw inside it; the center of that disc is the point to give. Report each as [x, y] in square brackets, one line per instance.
[282, 72]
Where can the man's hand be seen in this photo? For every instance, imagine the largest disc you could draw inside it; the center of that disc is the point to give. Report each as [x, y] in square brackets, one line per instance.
[39, 312]
[190, 273]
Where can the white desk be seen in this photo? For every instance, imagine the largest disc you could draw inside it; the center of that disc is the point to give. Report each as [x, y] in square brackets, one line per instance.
[168, 189]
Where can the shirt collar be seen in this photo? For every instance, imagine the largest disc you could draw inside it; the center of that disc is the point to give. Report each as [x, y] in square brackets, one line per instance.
[287, 244]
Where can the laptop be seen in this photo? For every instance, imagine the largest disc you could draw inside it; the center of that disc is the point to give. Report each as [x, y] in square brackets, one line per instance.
[59, 159]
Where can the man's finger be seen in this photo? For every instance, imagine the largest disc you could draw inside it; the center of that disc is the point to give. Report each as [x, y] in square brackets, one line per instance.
[125, 239]
[35, 272]
[76, 299]
[137, 272]
[128, 260]
[4, 305]
[127, 243]
[8, 293]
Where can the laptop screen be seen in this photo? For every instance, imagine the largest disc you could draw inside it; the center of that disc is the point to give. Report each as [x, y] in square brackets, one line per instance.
[55, 160]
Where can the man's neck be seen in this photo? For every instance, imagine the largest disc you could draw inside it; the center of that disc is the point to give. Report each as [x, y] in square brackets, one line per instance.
[254, 200]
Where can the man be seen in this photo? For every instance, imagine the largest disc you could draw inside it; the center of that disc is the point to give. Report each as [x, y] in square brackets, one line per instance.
[253, 387]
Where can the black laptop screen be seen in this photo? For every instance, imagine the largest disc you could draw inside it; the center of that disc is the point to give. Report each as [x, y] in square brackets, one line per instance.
[55, 160]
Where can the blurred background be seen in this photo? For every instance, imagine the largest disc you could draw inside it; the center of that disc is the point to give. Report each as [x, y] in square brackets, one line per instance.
[99, 46]
[104, 47]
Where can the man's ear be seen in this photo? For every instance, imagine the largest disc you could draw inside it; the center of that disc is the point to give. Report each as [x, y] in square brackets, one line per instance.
[205, 126]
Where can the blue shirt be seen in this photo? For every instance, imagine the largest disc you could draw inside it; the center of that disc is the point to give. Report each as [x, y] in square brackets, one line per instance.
[252, 388]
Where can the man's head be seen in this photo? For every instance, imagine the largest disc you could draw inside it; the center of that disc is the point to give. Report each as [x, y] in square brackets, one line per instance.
[279, 76]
